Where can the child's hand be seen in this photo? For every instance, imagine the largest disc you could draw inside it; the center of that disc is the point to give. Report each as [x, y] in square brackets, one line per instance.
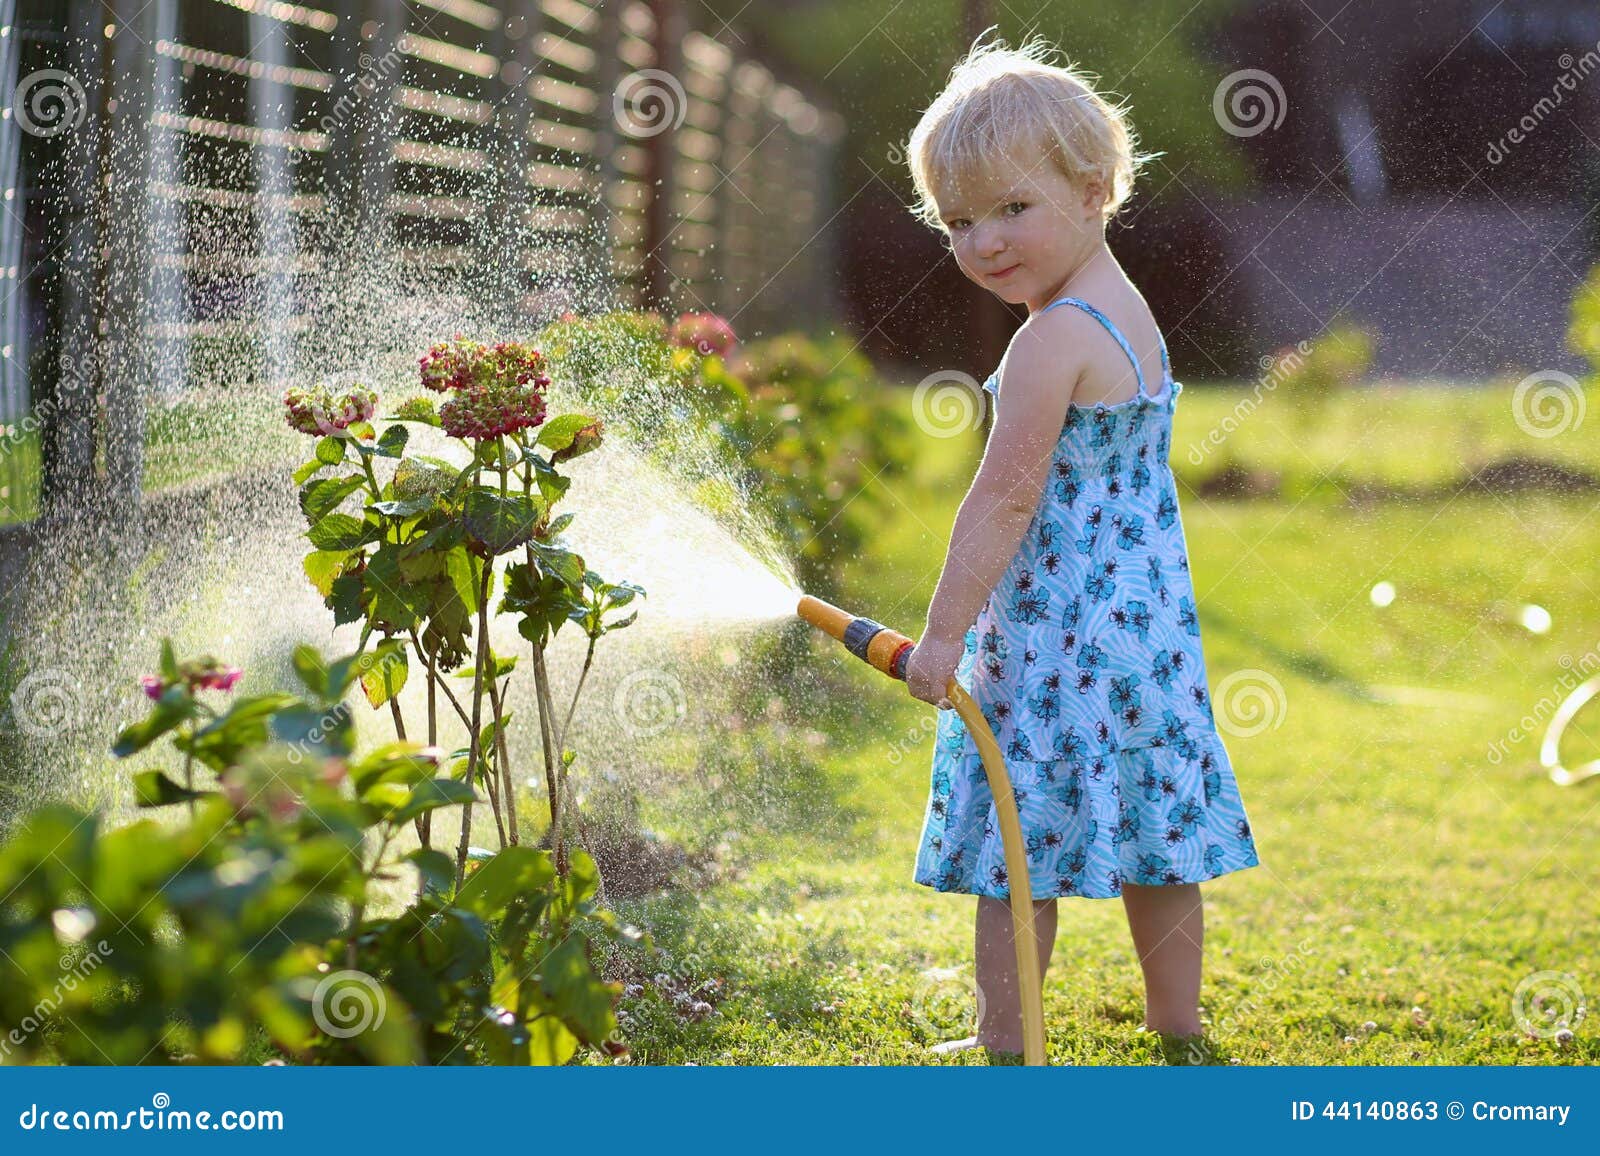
[928, 674]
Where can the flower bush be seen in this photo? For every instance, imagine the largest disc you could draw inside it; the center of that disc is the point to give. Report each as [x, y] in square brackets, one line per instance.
[243, 933]
[418, 568]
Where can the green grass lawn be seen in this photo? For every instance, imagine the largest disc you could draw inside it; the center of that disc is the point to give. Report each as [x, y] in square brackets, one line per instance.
[1407, 882]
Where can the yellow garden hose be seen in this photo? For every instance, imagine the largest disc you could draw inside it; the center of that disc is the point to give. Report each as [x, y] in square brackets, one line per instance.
[888, 651]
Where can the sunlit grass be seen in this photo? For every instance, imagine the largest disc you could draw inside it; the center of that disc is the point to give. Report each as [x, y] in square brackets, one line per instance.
[1408, 881]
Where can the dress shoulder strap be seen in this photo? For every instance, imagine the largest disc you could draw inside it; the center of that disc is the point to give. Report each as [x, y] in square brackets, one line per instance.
[1117, 334]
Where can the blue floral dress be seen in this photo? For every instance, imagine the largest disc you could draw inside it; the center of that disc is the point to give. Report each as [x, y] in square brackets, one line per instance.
[1086, 661]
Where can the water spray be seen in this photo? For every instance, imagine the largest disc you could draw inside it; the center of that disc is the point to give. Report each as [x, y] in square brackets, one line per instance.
[889, 651]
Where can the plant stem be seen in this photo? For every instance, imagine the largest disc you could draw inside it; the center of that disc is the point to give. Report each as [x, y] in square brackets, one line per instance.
[552, 759]
[502, 759]
[588, 661]
[188, 765]
[477, 714]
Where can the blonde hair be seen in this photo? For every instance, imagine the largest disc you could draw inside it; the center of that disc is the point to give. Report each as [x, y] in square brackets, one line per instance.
[1002, 102]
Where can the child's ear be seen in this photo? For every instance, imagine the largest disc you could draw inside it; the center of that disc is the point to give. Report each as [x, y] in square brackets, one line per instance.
[1095, 195]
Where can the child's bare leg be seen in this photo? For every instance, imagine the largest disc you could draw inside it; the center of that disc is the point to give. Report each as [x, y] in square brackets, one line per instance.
[1000, 999]
[1168, 925]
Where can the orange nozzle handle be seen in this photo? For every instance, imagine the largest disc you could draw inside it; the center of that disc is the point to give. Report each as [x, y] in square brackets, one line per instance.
[873, 642]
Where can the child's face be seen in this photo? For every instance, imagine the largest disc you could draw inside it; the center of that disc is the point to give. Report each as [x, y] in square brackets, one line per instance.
[1022, 230]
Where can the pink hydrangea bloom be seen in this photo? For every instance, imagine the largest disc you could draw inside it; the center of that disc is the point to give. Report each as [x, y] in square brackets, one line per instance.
[487, 412]
[705, 333]
[321, 414]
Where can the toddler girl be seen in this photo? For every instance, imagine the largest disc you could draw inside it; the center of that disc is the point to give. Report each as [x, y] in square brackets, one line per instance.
[1065, 606]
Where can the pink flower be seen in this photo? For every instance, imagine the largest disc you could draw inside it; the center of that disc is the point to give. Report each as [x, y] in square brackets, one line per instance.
[487, 412]
[462, 364]
[153, 686]
[316, 412]
[448, 365]
[223, 679]
[704, 332]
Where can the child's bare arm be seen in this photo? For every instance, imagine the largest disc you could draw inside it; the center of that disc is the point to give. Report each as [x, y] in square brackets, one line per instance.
[1005, 493]
[1002, 499]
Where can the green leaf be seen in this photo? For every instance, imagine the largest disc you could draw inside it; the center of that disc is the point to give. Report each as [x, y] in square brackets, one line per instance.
[311, 668]
[223, 741]
[346, 670]
[436, 868]
[330, 450]
[462, 570]
[431, 794]
[557, 433]
[512, 872]
[561, 562]
[322, 567]
[500, 523]
[394, 600]
[543, 600]
[345, 599]
[308, 470]
[342, 532]
[322, 497]
[550, 1044]
[403, 507]
[393, 442]
[172, 709]
[584, 1002]
[387, 677]
[169, 662]
[154, 789]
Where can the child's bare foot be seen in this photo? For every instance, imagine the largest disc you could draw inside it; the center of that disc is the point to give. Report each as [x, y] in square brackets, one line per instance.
[997, 1056]
[951, 1047]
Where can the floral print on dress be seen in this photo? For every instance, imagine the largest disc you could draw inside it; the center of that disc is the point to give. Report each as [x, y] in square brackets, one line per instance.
[1086, 662]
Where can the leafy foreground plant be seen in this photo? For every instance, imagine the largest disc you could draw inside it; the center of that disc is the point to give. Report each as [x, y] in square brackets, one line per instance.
[244, 926]
[417, 569]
